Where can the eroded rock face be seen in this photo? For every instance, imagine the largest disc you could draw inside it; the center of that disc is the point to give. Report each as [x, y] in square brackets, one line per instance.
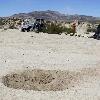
[82, 28]
[40, 80]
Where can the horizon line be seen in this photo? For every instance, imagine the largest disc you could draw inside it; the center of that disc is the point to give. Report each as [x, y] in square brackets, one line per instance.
[26, 12]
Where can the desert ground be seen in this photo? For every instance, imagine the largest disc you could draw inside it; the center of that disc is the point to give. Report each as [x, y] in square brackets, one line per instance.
[48, 66]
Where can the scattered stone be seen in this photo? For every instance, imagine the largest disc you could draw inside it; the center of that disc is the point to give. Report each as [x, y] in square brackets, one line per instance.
[71, 34]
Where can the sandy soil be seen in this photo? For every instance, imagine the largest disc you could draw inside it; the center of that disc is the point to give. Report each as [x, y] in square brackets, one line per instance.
[28, 51]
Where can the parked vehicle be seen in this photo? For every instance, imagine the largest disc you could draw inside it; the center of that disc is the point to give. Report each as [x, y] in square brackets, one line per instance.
[32, 25]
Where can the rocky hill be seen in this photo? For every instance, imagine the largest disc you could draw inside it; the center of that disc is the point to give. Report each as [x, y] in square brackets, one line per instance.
[54, 15]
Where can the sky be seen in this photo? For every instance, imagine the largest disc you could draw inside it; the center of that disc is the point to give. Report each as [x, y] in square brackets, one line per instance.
[82, 7]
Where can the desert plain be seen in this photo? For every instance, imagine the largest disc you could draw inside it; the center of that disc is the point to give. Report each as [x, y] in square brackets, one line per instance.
[48, 66]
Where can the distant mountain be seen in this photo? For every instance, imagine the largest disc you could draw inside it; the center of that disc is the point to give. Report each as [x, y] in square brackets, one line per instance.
[54, 15]
[48, 15]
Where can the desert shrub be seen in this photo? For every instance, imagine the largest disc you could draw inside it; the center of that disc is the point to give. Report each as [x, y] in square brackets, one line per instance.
[68, 30]
[11, 26]
[91, 30]
[54, 28]
[1, 22]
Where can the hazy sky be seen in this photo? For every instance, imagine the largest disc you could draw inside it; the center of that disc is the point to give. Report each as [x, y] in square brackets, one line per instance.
[87, 7]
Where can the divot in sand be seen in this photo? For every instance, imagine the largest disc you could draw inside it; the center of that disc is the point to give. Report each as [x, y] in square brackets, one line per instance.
[40, 80]
[47, 80]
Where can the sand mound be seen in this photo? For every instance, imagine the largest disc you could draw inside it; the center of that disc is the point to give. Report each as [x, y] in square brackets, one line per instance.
[40, 80]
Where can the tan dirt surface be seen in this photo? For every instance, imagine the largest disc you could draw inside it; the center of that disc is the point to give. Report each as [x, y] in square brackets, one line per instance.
[37, 57]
